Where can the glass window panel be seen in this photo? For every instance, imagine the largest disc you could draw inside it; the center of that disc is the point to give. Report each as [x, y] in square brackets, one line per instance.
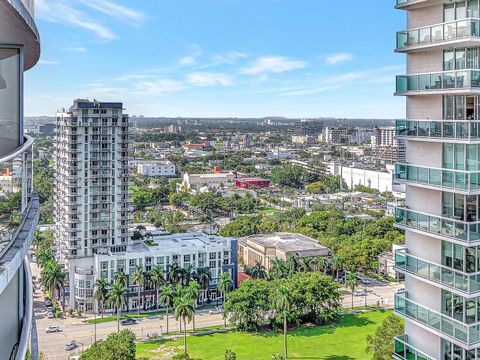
[472, 162]
[437, 33]
[472, 58]
[460, 107]
[448, 156]
[459, 157]
[447, 204]
[425, 37]
[423, 82]
[460, 58]
[447, 254]
[449, 31]
[449, 80]
[472, 8]
[449, 60]
[449, 12]
[458, 257]
[448, 107]
[461, 10]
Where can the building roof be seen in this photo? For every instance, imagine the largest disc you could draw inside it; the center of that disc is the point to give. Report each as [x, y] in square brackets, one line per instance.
[287, 242]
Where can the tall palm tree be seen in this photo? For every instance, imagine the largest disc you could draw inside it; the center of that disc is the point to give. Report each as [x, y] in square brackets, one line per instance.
[166, 298]
[278, 269]
[117, 299]
[351, 282]
[193, 291]
[138, 278]
[174, 274]
[187, 274]
[337, 265]
[320, 263]
[204, 278]
[292, 264]
[224, 285]
[283, 303]
[157, 278]
[101, 293]
[120, 278]
[44, 256]
[259, 271]
[54, 277]
[305, 264]
[184, 310]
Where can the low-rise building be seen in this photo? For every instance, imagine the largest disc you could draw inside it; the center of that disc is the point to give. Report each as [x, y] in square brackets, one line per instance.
[193, 182]
[252, 183]
[194, 250]
[264, 248]
[157, 168]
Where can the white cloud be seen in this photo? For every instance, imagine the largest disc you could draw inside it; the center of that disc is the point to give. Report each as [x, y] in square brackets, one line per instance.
[48, 62]
[274, 64]
[79, 49]
[161, 86]
[338, 58]
[187, 60]
[114, 10]
[209, 79]
[58, 12]
[229, 57]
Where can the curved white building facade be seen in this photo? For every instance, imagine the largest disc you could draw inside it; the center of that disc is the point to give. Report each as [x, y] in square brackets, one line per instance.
[19, 205]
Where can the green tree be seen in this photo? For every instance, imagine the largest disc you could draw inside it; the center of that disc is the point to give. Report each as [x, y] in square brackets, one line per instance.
[204, 278]
[117, 298]
[380, 344]
[242, 226]
[120, 278]
[230, 355]
[258, 271]
[166, 299]
[117, 346]
[53, 277]
[225, 283]
[337, 265]
[157, 278]
[138, 278]
[101, 293]
[184, 310]
[351, 282]
[283, 303]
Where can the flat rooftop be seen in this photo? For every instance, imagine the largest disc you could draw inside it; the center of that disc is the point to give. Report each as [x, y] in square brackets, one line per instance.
[288, 242]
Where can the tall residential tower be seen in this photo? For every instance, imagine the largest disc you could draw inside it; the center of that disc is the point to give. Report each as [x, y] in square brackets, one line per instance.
[441, 259]
[92, 206]
[19, 206]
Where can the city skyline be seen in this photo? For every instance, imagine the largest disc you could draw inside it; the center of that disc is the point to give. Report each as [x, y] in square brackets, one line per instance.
[209, 61]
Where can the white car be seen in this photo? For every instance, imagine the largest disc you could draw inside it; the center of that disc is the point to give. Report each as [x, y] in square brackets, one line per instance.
[53, 328]
[71, 345]
[360, 293]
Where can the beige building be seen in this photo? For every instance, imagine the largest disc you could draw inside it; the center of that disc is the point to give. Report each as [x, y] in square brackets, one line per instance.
[264, 248]
[197, 182]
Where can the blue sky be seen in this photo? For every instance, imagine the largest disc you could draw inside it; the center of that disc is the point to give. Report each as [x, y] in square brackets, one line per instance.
[245, 58]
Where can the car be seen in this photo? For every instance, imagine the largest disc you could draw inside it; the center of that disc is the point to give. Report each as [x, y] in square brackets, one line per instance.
[52, 329]
[42, 288]
[128, 322]
[366, 281]
[360, 293]
[217, 310]
[50, 315]
[48, 303]
[70, 345]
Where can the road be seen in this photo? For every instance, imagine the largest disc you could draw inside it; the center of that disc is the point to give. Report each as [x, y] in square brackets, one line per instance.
[52, 345]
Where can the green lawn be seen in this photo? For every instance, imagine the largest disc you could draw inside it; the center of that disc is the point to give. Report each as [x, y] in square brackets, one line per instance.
[265, 209]
[343, 341]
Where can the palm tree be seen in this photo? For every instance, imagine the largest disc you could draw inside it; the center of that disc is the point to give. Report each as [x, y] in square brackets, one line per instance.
[283, 303]
[305, 264]
[351, 282]
[120, 278]
[138, 278]
[54, 278]
[337, 265]
[44, 256]
[292, 264]
[320, 263]
[278, 269]
[117, 299]
[259, 271]
[192, 291]
[157, 278]
[204, 278]
[224, 285]
[174, 273]
[101, 293]
[166, 298]
[187, 274]
[184, 310]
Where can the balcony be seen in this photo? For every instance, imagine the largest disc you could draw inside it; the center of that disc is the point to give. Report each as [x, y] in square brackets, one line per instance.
[445, 82]
[404, 351]
[466, 233]
[447, 278]
[464, 32]
[449, 328]
[464, 182]
[439, 130]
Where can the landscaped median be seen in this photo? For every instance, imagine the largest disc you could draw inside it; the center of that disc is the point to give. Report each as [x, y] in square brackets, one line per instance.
[344, 340]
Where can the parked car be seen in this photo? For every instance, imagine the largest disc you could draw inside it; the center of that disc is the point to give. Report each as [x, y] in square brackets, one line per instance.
[71, 345]
[360, 292]
[48, 303]
[53, 328]
[128, 322]
[50, 315]
[217, 310]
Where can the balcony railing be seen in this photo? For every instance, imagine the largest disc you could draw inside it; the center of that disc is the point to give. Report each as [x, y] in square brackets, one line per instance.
[439, 33]
[457, 180]
[445, 81]
[404, 351]
[467, 232]
[459, 130]
[463, 333]
[439, 274]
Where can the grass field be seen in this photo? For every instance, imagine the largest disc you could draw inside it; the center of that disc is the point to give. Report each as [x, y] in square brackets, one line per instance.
[345, 340]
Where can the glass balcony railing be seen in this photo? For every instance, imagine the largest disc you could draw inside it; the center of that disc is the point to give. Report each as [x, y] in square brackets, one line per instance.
[404, 351]
[460, 130]
[458, 180]
[441, 81]
[466, 334]
[453, 279]
[451, 228]
[438, 33]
